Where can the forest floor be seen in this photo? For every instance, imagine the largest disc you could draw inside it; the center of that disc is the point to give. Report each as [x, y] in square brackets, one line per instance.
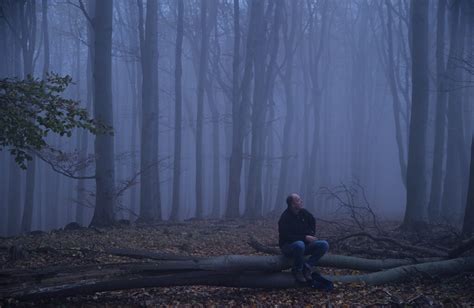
[212, 238]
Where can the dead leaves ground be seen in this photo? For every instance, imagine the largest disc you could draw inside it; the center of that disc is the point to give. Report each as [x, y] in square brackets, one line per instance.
[211, 238]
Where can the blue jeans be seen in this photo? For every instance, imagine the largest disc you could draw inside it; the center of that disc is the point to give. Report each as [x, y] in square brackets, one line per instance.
[297, 250]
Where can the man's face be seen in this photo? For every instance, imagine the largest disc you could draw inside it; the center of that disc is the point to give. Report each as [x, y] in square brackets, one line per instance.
[297, 203]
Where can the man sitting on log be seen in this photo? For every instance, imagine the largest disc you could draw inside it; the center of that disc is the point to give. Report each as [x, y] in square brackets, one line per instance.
[296, 229]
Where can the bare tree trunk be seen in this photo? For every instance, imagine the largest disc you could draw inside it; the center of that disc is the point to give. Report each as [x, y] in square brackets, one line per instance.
[84, 135]
[287, 79]
[203, 59]
[45, 30]
[397, 108]
[359, 96]
[79, 140]
[468, 225]
[440, 125]
[258, 115]
[238, 113]
[216, 178]
[28, 42]
[133, 75]
[83, 147]
[150, 194]
[416, 177]
[14, 182]
[268, 182]
[264, 82]
[13, 200]
[455, 158]
[46, 62]
[306, 113]
[315, 52]
[175, 205]
[103, 111]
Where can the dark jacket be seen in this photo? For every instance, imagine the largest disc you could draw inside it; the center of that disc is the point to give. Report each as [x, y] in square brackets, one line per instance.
[294, 227]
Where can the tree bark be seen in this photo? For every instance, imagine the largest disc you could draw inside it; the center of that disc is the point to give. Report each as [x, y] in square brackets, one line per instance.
[397, 109]
[440, 124]
[264, 83]
[315, 52]
[103, 112]
[84, 135]
[28, 44]
[203, 64]
[468, 225]
[252, 207]
[416, 177]
[456, 165]
[287, 79]
[14, 174]
[175, 203]
[211, 96]
[150, 193]
[359, 96]
[240, 104]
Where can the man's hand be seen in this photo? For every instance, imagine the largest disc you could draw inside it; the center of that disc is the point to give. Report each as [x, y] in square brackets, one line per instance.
[310, 238]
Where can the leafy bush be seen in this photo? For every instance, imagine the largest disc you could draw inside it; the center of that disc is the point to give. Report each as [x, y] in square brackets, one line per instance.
[30, 109]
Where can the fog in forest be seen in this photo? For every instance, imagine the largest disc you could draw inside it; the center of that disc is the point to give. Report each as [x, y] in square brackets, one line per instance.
[222, 108]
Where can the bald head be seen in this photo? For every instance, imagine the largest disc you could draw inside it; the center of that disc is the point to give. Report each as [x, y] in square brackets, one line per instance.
[294, 202]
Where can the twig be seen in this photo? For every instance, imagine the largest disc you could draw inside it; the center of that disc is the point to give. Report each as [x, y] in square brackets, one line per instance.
[423, 250]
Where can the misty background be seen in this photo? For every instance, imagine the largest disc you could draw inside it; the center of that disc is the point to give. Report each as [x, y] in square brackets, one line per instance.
[222, 108]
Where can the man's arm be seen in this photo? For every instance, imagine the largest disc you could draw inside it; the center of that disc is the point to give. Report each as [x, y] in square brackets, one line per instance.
[310, 237]
[312, 224]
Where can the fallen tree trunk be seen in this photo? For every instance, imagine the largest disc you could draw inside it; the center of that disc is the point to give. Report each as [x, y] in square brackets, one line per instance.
[271, 263]
[57, 287]
[429, 269]
[228, 263]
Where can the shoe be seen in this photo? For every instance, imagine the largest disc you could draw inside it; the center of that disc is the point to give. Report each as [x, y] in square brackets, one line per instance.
[321, 283]
[307, 272]
[299, 277]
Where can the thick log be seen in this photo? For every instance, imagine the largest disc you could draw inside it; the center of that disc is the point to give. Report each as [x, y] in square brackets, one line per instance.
[273, 263]
[429, 269]
[146, 254]
[226, 279]
[462, 248]
[229, 264]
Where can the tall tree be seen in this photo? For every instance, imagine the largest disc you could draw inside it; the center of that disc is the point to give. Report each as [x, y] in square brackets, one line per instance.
[239, 108]
[203, 64]
[211, 98]
[175, 204]
[289, 36]
[263, 83]
[456, 160]
[103, 112]
[257, 119]
[468, 224]
[416, 181]
[391, 73]
[440, 124]
[84, 136]
[315, 49]
[150, 193]
[359, 95]
[28, 44]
